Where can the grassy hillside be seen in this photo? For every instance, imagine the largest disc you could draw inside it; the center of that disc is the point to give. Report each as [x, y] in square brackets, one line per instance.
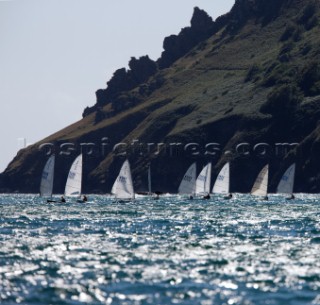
[256, 80]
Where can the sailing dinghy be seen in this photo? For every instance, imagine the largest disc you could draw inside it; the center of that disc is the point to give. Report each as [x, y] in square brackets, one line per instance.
[156, 197]
[46, 184]
[188, 182]
[123, 186]
[286, 183]
[260, 187]
[203, 182]
[73, 185]
[222, 183]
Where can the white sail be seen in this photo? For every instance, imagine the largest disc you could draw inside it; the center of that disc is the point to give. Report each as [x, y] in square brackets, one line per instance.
[221, 186]
[260, 187]
[204, 180]
[73, 185]
[46, 184]
[287, 181]
[123, 186]
[188, 182]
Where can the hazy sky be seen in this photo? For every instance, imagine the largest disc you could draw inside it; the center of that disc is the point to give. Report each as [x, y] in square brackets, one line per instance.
[55, 54]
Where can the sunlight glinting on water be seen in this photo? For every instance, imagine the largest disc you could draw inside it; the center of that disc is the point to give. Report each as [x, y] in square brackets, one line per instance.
[169, 251]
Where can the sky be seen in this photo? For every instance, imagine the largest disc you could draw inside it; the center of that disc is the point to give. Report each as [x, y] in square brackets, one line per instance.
[55, 54]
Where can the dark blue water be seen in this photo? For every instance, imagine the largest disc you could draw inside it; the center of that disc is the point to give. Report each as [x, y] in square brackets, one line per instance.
[169, 251]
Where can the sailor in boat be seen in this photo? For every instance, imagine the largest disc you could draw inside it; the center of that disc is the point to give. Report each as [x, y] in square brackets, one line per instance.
[206, 196]
[266, 198]
[83, 200]
[190, 197]
[62, 200]
[157, 195]
[228, 197]
[291, 197]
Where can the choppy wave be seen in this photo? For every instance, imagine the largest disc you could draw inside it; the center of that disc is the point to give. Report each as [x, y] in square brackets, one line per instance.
[167, 251]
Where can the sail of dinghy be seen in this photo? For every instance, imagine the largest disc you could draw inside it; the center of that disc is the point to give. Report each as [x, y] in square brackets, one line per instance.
[74, 181]
[47, 177]
[123, 185]
[204, 180]
[222, 183]
[188, 182]
[286, 183]
[260, 187]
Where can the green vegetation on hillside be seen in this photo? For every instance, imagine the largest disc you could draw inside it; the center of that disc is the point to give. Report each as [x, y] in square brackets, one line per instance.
[253, 78]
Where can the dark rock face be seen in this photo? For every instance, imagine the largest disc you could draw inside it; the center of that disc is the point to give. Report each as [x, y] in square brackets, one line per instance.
[175, 46]
[310, 79]
[99, 116]
[101, 98]
[262, 10]
[124, 80]
[141, 69]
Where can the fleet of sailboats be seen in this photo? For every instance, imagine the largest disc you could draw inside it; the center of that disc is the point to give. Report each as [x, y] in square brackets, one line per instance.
[191, 184]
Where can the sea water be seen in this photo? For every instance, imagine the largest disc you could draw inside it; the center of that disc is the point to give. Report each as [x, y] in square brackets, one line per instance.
[167, 251]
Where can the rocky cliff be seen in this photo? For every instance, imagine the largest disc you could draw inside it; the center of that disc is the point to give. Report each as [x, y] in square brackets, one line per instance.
[244, 88]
